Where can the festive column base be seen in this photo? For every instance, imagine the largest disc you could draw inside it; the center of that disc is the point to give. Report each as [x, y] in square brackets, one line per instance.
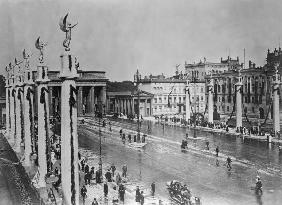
[17, 145]
[238, 106]
[28, 119]
[43, 132]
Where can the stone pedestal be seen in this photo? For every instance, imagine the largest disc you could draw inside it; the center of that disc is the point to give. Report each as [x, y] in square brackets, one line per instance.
[276, 117]
[210, 101]
[43, 122]
[239, 88]
[187, 103]
[69, 141]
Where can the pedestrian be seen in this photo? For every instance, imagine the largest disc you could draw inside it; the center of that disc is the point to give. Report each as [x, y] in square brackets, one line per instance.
[141, 198]
[113, 168]
[108, 176]
[153, 188]
[124, 170]
[92, 173]
[120, 132]
[229, 163]
[217, 150]
[86, 168]
[121, 192]
[137, 194]
[95, 202]
[106, 189]
[134, 138]
[83, 192]
[118, 179]
[207, 145]
[129, 138]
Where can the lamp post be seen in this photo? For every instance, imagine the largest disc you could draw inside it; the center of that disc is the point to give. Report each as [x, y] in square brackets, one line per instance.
[137, 78]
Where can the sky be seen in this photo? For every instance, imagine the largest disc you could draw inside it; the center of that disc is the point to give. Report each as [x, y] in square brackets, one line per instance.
[119, 36]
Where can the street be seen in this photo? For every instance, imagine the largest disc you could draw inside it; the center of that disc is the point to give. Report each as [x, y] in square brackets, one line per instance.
[161, 161]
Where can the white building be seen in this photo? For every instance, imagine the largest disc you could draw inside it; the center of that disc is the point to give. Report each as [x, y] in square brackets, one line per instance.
[169, 94]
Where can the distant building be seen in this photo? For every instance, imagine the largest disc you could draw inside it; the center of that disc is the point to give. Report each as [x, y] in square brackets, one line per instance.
[200, 70]
[122, 97]
[169, 94]
[257, 93]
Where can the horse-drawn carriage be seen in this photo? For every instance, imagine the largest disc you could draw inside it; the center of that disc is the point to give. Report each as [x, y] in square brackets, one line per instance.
[181, 194]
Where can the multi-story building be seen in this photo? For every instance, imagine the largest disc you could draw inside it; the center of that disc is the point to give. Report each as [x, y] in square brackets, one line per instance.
[200, 70]
[257, 92]
[169, 94]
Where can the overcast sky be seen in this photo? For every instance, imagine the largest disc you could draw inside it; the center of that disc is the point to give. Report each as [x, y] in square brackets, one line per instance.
[119, 36]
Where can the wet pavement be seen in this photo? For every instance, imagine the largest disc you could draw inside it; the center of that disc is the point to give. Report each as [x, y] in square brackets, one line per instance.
[161, 161]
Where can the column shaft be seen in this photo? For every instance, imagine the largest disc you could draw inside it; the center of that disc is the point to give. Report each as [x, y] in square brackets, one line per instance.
[210, 101]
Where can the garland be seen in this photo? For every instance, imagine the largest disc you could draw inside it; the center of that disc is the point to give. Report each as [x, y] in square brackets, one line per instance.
[21, 113]
[13, 95]
[72, 102]
[28, 97]
[9, 101]
[43, 101]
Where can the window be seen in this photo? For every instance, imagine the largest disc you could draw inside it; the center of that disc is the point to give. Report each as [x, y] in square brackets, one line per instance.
[160, 100]
[202, 98]
[227, 108]
[223, 99]
[179, 99]
[184, 98]
[253, 109]
[160, 107]
[253, 99]
[202, 89]
[246, 99]
[174, 99]
[218, 99]
[155, 100]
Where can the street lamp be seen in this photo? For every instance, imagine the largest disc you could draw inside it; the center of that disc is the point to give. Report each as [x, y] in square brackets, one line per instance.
[137, 78]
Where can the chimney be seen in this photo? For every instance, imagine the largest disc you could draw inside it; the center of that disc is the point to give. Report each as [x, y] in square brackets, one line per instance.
[250, 64]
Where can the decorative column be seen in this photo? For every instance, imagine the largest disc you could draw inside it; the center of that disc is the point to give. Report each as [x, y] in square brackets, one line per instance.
[92, 101]
[28, 110]
[238, 90]
[79, 100]
[187, 103]
[210, 100]
[19, 107]
[8, 117]
[12, 106]
[50, 101]
[69, 141]
[43, 116]
[276, 118]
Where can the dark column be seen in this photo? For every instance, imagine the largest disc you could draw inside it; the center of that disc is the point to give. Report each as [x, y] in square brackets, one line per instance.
[51, 103]
[79, 100]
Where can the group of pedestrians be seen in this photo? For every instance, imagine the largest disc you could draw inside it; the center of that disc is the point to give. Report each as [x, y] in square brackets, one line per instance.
[135, 138]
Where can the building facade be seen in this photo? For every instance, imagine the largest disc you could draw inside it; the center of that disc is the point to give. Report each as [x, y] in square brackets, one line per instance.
[200, 70]
[256, 93]
[126, 102]
[169, 94]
